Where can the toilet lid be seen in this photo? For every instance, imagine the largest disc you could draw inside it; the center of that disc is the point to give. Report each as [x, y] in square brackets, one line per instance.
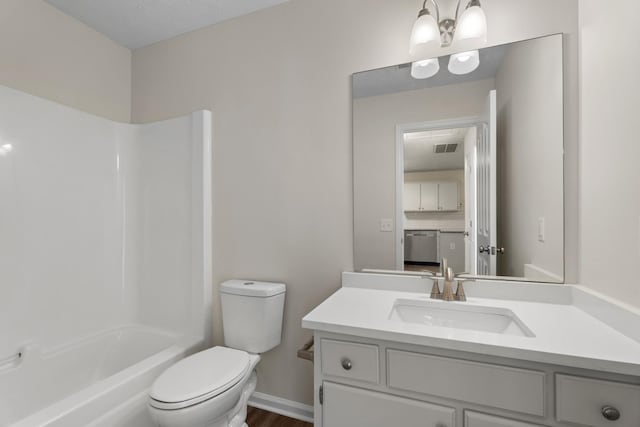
[201, 376]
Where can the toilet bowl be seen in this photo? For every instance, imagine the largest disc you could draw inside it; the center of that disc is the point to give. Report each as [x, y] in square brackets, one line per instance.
[211, 388]
[208, 389]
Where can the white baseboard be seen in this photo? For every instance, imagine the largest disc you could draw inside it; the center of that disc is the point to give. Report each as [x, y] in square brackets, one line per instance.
[281, 406]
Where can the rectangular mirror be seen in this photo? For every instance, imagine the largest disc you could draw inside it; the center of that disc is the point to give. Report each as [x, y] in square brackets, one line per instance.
[467, 167]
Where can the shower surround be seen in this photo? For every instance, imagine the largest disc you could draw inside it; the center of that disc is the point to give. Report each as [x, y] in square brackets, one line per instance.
[105, 259]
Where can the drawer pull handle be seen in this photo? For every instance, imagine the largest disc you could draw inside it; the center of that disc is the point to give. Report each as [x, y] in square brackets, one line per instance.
[346, 364]
[610, 413]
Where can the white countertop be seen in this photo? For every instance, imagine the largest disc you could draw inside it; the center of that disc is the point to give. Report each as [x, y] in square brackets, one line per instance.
[440, 229]
[565, 333]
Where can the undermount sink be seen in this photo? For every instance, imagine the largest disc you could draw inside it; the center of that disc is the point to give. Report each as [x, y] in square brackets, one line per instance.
[459, 316]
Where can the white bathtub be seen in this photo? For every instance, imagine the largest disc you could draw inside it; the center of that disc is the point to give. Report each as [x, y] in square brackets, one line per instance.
[88, 381]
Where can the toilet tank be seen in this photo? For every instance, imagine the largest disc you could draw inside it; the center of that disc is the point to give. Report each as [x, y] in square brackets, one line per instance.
[252, 314]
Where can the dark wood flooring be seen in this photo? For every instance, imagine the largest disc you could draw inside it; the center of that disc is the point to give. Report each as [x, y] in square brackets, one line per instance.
[259, 418]
[417, 267]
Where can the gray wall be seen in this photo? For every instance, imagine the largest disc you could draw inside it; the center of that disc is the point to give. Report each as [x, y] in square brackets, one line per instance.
[529, 101]
[610, 149]
[49, 54]
[278, 82]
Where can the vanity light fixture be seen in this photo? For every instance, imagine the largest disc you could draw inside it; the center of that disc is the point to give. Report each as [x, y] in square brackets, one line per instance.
[464, 62]
[429, 32]
[425, 68]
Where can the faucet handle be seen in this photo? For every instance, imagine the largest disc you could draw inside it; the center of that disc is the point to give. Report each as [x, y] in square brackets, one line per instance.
[460, 295]
[435, 290]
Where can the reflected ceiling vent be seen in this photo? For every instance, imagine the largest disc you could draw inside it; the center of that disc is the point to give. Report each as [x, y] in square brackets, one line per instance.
[444, 148]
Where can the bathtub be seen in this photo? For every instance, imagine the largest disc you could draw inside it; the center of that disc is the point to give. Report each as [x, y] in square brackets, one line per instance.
[98, 380]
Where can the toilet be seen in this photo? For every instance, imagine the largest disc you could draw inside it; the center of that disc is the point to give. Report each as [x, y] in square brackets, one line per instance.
[211, 388]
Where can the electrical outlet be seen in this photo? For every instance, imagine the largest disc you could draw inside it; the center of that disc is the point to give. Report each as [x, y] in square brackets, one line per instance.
[386, 225]
[541, 229]
[452, 246]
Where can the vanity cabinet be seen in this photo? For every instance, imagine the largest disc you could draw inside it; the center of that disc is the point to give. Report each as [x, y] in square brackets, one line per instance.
[430, 196]
[365, 382]
[352, 406]
[474, 419]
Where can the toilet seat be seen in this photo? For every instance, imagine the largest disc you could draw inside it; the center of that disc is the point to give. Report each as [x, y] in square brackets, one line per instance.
[199, 377]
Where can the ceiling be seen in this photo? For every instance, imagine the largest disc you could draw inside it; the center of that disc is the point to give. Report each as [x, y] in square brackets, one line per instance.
[419, 155]
[138, 23]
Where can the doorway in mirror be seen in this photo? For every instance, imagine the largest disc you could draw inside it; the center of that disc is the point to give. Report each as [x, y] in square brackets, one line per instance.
[444, 186]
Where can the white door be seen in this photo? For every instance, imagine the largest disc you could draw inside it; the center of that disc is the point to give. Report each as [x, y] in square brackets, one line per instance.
[470, 202]
[429, 196]
[411, 197]
[354, 407]
[448, 196]
[486, 179]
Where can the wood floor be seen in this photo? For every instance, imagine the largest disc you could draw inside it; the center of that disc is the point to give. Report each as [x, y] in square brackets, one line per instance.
[417, 267]
[259, 418]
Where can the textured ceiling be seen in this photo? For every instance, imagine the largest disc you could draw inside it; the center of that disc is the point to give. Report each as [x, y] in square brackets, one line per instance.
[419, 155]
[138, 23]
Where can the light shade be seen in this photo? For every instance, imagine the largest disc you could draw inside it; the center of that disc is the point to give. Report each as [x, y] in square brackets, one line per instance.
[464, 62]
[472, 25]
[425, 69]
[425, 33]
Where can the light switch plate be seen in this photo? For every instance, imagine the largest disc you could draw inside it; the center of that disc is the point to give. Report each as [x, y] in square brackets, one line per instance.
[541, 229]
[386, 225]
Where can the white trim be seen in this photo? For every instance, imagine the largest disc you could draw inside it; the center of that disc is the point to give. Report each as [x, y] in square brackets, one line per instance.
[457, 122]
[281, 406]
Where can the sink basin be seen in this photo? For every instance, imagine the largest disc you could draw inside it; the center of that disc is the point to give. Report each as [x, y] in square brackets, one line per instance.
[495, 320]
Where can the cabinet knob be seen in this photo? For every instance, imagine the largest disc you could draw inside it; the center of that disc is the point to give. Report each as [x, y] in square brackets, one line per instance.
[610, 413]
[346, 364]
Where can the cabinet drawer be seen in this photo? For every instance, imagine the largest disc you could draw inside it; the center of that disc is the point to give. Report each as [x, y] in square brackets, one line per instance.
[474, 419]
[350, 360]
[501, 387]
[353, 407]
[581, 401]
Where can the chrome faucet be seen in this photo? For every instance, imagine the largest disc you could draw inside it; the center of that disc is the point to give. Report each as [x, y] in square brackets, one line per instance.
[447, 291]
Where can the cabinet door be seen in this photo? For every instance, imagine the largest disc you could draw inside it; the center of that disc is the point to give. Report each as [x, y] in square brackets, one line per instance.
[429, 196]
[473, 419]
[354, 407]
[448, 196]
[411, 197]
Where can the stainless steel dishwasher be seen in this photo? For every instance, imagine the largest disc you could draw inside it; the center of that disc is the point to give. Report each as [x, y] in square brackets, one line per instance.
[421, 246]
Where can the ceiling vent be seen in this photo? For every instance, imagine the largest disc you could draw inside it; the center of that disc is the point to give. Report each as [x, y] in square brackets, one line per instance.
[445, 148]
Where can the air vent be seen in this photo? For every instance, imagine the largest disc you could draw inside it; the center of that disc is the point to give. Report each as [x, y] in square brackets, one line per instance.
[445, 148]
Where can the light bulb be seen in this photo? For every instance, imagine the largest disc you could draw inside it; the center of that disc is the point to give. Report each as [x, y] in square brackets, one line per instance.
[425, 33]
[472, 25]
[425, 68]
[464, 62]
[5, 149]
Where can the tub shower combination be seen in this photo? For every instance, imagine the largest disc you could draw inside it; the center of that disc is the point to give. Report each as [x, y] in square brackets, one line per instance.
[105, 260]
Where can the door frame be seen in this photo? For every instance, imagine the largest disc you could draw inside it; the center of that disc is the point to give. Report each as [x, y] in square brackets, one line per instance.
[401, 129]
